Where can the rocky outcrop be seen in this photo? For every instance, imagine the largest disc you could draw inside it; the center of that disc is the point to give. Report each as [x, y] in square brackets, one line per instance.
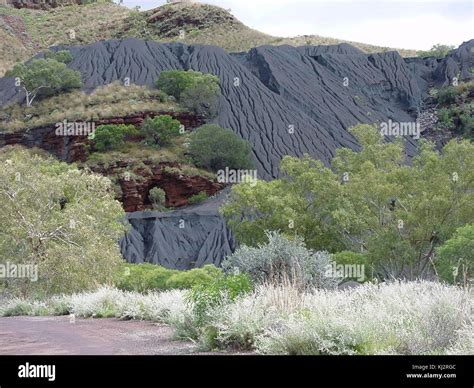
[74, 148]
[177, 186]
[438, 72]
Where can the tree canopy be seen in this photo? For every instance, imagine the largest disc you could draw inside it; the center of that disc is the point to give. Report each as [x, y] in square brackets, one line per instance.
[44, 75]
[61, 219]
[216, 148]
[371, 202]
[197, 92]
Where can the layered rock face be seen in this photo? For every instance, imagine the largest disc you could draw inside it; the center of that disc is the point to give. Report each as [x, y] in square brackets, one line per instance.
[283, 100]
[178, 187]
[74, 148]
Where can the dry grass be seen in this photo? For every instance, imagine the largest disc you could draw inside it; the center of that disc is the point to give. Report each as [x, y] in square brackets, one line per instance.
[139, 156]
[12, 50]
[101, 21]
[113, 100]
[206, 24]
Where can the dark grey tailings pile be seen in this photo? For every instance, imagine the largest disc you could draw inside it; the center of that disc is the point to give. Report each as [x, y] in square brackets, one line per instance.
[284, 100]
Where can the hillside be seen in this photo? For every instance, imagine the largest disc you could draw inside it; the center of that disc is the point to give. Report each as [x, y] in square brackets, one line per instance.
[25, 31]
[280, 87]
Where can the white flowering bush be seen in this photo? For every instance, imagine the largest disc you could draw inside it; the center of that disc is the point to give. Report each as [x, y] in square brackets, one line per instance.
[413, 318]
[394, 318]
[20, 306]
[282, 260]
[465, 346]
[104, 303]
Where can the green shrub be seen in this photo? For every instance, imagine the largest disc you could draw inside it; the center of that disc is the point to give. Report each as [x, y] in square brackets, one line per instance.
[348, 257]
[202, 98]
[143, 277]
[216, 148]
[111, 137]
[158, 198]
[63, 56]
[197, 92]
[198, 198]
[189, 279]
[175, 82]
[447, 95]
[224, 289]
[455, 258]
[150, 277]
[445, 119]
[160, 129]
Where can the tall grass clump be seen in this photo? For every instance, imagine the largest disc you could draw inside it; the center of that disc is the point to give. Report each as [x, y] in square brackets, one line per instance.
[402, 318]
[393, 318]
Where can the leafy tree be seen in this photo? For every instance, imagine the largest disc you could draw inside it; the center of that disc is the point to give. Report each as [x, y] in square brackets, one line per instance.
[158, 198]
[455, 259]
[175, 82]
[160, 129]
[59, 218]
[110, 136]
[216, 148]
[63, 56]
[370, 202]
[437, 51]
[44, 75]
[196, 91]
[202, 98]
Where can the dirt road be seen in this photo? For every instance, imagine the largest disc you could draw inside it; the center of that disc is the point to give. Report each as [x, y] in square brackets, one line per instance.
[62, 336]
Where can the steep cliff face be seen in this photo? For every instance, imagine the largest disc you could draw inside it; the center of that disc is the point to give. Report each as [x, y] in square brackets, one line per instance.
[177, 186]
[74, 148]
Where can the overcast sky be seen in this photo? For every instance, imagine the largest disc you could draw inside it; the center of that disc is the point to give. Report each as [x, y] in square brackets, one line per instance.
[415, 24]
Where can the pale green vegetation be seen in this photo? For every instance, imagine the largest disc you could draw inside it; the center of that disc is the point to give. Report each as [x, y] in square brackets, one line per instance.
[437, 51]
[415, 318]
[371, 202]
[45, 76]
[112, 100]
[60, 219]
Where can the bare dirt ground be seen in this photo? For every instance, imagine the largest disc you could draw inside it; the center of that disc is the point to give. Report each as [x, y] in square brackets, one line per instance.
[62, 336]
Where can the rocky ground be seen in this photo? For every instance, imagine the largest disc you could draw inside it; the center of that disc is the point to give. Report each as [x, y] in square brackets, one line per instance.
[63, 336]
